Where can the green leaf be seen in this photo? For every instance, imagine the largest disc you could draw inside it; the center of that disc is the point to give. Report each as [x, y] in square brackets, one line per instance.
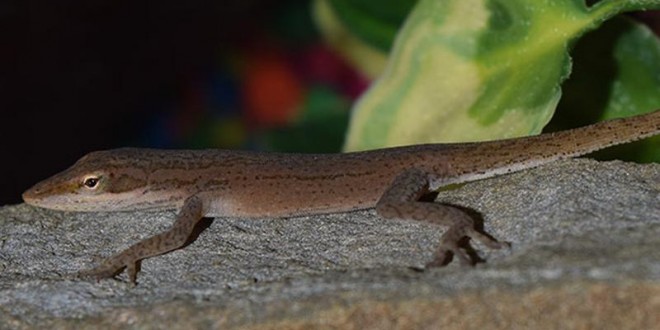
[368, 59]
[616, 74]
[466, 70]
[375, 22]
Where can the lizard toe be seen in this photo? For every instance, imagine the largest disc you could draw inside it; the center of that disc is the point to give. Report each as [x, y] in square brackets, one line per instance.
[487, 240]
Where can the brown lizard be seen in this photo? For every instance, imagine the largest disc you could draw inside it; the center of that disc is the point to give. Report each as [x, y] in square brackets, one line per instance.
[221, 183]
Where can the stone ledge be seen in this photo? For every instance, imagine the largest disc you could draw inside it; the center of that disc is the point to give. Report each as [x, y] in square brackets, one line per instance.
[584, 253]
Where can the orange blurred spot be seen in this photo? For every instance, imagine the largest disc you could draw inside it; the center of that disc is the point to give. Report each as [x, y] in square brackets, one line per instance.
[272, 92]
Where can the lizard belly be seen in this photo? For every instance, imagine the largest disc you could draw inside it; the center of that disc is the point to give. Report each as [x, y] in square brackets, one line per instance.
[285, 199]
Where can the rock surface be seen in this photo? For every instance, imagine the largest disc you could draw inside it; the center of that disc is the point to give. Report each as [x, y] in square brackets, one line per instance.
[584, 235]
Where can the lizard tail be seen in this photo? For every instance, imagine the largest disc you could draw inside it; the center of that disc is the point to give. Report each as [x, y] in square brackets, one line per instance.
[522, 153]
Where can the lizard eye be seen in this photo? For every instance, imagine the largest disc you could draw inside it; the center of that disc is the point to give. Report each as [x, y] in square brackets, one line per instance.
[91, 182]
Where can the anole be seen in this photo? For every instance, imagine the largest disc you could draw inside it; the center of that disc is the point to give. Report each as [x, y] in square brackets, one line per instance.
[222, 183]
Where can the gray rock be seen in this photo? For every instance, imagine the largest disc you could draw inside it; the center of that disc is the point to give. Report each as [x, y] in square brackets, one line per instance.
[585, 252]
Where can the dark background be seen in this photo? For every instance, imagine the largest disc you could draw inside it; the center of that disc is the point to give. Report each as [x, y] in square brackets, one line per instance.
[81, 75]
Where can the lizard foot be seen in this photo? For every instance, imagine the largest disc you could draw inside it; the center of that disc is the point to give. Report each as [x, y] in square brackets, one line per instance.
[110, 268]
[450, 247]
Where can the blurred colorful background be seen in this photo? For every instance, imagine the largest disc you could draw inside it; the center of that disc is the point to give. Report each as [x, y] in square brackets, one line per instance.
[279, 88]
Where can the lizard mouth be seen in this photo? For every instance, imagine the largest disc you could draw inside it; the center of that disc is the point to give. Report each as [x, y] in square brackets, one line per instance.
[48, 193]
[30, 196]
[45, 193]
[35, 194]
[41, 197]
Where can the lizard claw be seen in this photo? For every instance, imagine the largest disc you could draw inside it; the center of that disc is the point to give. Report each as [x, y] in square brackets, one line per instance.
[452, 247]
[487, 241]
[109, 269]
[98, 273]
[443, 253]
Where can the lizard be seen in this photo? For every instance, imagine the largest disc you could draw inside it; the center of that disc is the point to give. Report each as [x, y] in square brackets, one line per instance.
[251, 184]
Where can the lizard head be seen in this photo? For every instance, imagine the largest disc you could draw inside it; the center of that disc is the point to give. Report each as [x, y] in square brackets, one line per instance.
[101, 180]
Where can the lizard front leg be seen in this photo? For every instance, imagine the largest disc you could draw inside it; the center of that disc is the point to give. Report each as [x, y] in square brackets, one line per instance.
[173, 238]
[401, 201]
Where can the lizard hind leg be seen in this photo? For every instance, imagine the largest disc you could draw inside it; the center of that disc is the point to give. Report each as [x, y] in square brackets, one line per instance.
[401, 201]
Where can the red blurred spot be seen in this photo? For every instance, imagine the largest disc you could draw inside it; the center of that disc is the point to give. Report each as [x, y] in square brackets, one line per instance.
[272, 93]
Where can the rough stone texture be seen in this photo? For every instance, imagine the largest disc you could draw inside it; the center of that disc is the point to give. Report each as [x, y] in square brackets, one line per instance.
[585, 254]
